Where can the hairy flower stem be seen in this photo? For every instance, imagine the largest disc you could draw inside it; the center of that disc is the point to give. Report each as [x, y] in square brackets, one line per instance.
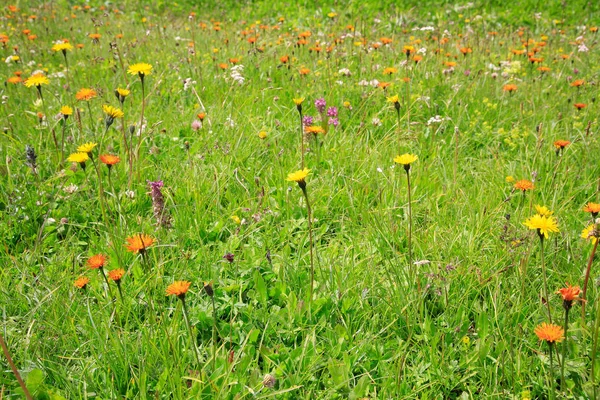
[189, 325]
[214, 332]
[587, 277]
[595, 346]
[139, 146]
[545, 278]
[410, 258]
[550, 384]
[564, 351]
[301, 142]
[14, 369]
[310, 236]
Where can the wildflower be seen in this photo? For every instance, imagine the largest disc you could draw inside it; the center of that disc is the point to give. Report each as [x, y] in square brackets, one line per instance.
[523, 185]
[396, 100]
[64, 47]
[347, 105]
[140, 69]
[569, 295]
[178, 288]
[208, 288]
[31, 157]
[307, 120]
[561, 144]
[577, 83]
[509, 179]
[14, 80]
[80, 158]
[578, 106]
[549, 332]
[109, 160]
[333, 121]
[590, 233]
[592, 208]
[299, 177]
[81, 282]
[320, 104]
[262, 134]
[201, 116]
[97, 261]
[229, 257]
[298, 102]
[66, 111]
[390, 71]
[87, 148]
[314, 129]
[139, 243]
[511, 87]
[304, 71]
[37, 80]
[269, 380]
[405, 160]
[95, 37]
[85, 94]
[111, 113]
[542, 224]
[196, 125]
[332, 112]
[158, 204]
[121, 94]
[543, 211]
[116, 275]
[236, 219]
[408, 50]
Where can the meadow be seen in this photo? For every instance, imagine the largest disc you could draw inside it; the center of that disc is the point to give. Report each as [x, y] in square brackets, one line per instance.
[361, 200]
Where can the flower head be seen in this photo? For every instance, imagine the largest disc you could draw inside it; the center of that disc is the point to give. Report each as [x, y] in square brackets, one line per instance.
[590, 233]
[405, 160]
[64, 47]
[65, 111]
[141, 69]
[314, 129]
[569, 295]
[116, 275]
[109, 160]
[81, 282]
[97, 261]
[298, 102]
[549, 332]
[112, 112]
[543, 211]
[320, 104]
[85, 94]
[79, 157]
[561, 144]
[178, 288]
[298, 176]
[511, 87]
[37, 80]
[592, 208]
[121, 94]
[393, 99]
[523, 185]
[542, 224]
[87, 147]
[139, 243]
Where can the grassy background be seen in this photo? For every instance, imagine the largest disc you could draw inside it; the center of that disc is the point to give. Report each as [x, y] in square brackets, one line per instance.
[468, 334]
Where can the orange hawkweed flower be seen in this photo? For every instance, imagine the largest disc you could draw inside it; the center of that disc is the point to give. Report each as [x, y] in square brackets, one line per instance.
[314, 129]
[14, 80]
[81, 282]
[580, 106]
[549, 332]
[284, 59]
[304, 71]
[109, 159]
[569, 295]
[523, 185]
[577, 83]
[561, 144]
[85, 94]
[511, 87]
[97, 261]
[116, 275]
[178, 288]
[139, 243]
[417, 58]
[592, 208]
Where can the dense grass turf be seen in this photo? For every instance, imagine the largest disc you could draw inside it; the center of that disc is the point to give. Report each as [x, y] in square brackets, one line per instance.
[431, 291]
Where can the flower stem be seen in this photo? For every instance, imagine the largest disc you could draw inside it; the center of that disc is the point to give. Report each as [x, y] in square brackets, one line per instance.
[137, 156]
[214, 332]
[551, 386]
[587, 277]
[301, 143]
[310, 235]
[189, 325]
[545, 278]
[410, 258]
[14, 369]
[595, 346]
[564, 351]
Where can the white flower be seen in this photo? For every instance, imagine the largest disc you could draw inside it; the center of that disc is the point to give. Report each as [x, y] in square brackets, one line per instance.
[72, 188]
[236, 74]
[422, 51]
[376, 121]
[345, 72]
[582, 48]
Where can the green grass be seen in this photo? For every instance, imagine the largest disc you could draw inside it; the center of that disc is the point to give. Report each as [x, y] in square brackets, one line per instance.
[369, 332]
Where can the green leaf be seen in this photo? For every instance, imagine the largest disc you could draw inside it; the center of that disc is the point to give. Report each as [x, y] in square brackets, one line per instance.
[34, 380]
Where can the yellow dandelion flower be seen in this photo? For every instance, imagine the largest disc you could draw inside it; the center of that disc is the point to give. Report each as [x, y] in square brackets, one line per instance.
[37, 80]
[542, 224]
[87, 147]
[112, 112]
[79, 157]
[64, 47]
[140, 69]
[406, 159]
[543, 211]
[590, 233]
[66, 111]
[393, 99]
[298, 176]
